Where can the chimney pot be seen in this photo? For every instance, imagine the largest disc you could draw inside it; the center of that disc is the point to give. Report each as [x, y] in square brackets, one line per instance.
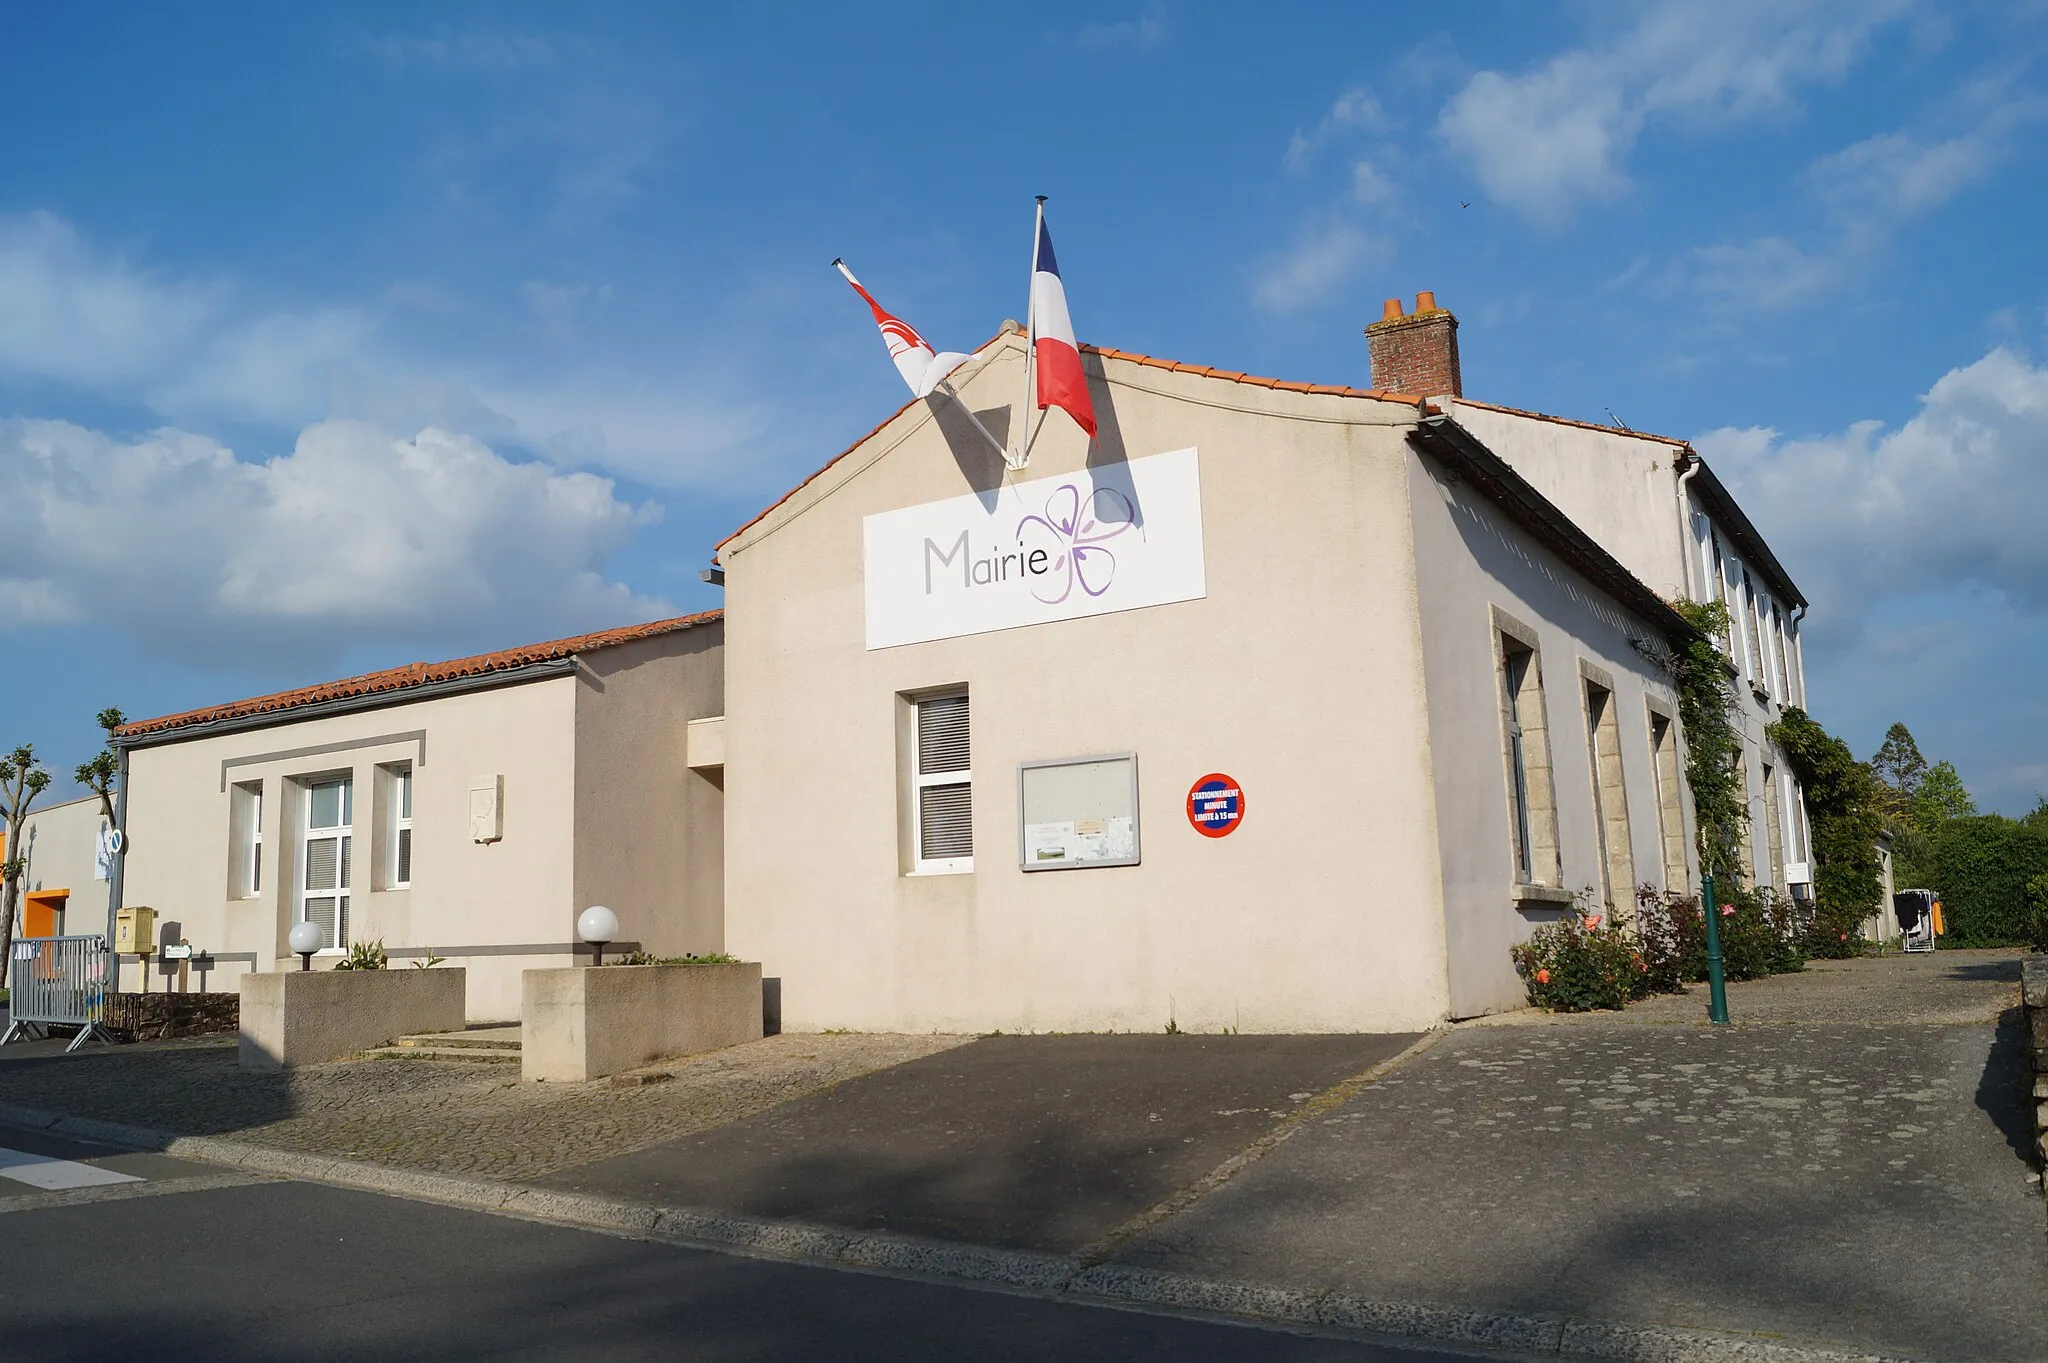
[1416, 354]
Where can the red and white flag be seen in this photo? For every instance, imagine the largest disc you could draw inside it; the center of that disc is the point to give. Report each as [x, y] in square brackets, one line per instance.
[920, 367]
[1061, 383]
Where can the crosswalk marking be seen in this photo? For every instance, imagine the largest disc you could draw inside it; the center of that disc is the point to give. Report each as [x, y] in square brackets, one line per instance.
[53, 1174]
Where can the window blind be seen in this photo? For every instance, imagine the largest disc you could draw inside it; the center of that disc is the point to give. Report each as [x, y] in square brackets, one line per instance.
[946, 822]
[942, 735]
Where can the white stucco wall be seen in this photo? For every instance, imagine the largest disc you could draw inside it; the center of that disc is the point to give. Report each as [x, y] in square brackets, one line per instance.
[469, 901]
[1299, 674]
[1620, 489]
[60, 841]
[1471, 560]
[650, 832]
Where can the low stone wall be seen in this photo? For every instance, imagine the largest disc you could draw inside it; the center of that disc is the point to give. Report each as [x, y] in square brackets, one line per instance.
[160, 1017]
[294, 1017]
[584, 1022]
[2034, 994]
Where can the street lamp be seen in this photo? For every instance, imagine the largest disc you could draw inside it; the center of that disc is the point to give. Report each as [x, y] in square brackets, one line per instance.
[597, 925]
[305, 939]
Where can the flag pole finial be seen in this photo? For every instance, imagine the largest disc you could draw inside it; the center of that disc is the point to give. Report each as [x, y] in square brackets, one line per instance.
[837, 261]
[1039, 197]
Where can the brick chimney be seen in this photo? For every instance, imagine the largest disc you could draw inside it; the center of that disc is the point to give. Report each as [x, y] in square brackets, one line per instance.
[1415, 352]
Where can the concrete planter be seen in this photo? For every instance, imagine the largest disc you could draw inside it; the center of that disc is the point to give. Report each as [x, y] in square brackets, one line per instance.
[584, 1022]
[295, 1017]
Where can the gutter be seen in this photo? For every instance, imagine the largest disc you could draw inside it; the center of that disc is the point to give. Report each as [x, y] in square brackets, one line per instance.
[1693, 464]
[349, 705]
[1445, 440]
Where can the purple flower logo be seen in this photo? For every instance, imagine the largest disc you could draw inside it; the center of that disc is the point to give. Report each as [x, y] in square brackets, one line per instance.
[1074, 530]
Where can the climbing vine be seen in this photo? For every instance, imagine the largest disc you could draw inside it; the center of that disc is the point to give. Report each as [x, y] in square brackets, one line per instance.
[1845, 804]
[1713, 757]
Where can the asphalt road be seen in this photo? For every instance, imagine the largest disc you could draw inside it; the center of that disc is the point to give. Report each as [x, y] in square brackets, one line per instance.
[1024, 1142]
[165, 1267]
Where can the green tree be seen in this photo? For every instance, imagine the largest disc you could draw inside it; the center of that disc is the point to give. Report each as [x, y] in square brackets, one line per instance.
[1845, 810]
[22, 779]
[1940, 797]
[1899, 768]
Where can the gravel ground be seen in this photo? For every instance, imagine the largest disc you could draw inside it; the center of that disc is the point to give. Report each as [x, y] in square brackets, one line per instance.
[446, 1116]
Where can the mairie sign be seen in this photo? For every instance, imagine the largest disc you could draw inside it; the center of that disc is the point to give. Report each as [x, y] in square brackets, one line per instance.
[1113, 538]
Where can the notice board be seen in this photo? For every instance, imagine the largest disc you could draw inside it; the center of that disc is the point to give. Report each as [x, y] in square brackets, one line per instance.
[1077, 812]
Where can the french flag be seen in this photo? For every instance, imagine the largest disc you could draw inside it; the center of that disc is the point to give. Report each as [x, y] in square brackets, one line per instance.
[1060, 381]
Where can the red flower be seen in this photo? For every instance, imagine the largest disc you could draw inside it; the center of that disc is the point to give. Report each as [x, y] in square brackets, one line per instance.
[1593, 922]
[1543, 977]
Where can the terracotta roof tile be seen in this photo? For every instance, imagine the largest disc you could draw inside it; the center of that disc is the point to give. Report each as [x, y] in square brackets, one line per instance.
[418, 674]
[1149, 361]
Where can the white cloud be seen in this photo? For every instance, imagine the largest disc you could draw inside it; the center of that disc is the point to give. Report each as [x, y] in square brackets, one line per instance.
[1370, 187]
[200, 352]
[1950, 500]
[1322, 260]
[1355, 111]
[1143, 33]
[1543, 141]
[354, 538]
[1769, 272]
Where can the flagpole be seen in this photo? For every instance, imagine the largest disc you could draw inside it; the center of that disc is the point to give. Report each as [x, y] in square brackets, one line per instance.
[945, 386]
[1030, 343]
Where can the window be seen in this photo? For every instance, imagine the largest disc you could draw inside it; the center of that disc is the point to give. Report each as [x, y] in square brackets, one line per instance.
[1784, 665]
[1721, 593]
[942, 788]
[1610, 798]
[246, 816]
[1756, 648]
[1532, 810]
[324, 863]
[1670, 812]
[1774, 825]
[398, 818]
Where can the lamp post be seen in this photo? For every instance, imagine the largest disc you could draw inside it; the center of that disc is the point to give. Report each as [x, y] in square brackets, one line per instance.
[305, 939]
[597, 925]
[1717, 985]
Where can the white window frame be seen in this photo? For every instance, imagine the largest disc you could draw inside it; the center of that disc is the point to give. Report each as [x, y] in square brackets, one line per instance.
[343, 834]
[401, 826]
[921, 781]
[250, 794]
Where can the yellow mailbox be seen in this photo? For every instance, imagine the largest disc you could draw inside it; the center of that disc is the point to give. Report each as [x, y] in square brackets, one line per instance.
[135, 930]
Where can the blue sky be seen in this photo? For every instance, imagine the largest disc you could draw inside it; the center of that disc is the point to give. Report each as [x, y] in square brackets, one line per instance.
[339, 336]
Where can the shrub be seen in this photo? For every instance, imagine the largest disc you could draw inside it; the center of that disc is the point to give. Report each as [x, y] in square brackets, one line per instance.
[649, 958]
[1983, 867]
[1576, 965]
[1672, 936]
[2037, 913]
[1759, 934]
[364, 956]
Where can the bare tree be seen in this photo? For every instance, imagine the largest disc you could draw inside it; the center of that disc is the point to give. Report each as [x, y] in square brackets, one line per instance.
[22, 778]
[99, 774]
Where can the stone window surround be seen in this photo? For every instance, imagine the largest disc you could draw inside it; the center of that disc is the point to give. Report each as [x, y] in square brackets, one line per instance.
[1544, 887]
[1610, 789]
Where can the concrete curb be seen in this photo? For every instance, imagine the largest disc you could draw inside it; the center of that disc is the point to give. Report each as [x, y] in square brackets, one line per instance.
[1069, 1277]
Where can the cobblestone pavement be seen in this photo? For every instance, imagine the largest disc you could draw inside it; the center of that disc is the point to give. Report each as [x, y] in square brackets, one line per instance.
[1820, 1171]
[445, 1116]
[1937, 987]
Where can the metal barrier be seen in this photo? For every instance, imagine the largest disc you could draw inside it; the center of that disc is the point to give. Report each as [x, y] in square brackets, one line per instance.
[58, 981]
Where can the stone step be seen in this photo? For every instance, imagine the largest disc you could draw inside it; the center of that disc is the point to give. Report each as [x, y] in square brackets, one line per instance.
[487, 1038]
[475, 1055]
